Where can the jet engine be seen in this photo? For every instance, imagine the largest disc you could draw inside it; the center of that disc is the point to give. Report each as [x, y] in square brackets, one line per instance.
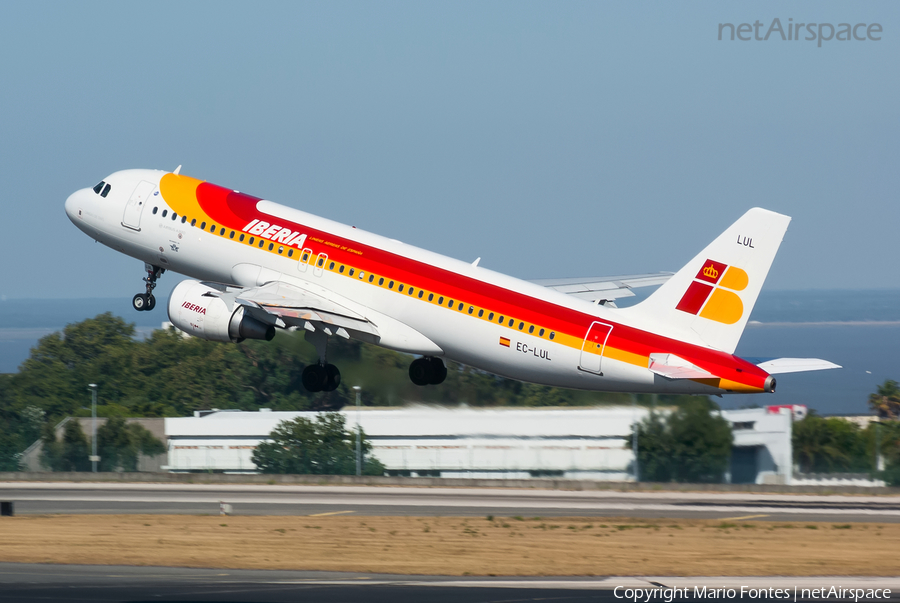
[198, 310]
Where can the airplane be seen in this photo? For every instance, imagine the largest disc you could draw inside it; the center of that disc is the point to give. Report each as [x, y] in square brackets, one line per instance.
[256, 266]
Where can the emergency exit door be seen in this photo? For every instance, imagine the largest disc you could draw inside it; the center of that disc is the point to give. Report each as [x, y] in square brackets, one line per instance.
[593, 347]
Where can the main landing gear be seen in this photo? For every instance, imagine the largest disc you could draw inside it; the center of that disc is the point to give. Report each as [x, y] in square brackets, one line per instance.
[427, 370]
[145, 301]
[320, 377]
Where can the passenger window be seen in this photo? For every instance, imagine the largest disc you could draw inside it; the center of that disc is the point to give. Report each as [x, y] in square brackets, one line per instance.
[212, 228]
[341, 269]
[351, 272]
[304, 258]
[321, 262]
[381, 281]
[331, 266]
[361, 274]
[241, 238]
[184, 219]
[99, 187]
[552, 334]
[441, 300]
[391, 285]
[261, 243]
[531, 329]
[412, 290]
[421, 293]
[400, 288]
[271, 246]
[155, 209]
[165, 212]
[471, 309]
[491, 316]
[174, 216]
[541, 333]
[231, 235]
[193, 221]
[105, 191]
[461, 306]
[371, 277]
[251, 240]
[500, 320]
[280, 249]
[430, 296]
[511, 321]
[450, 304]
[222, 232]
[521, 325]
[290, 253]
[480, 313]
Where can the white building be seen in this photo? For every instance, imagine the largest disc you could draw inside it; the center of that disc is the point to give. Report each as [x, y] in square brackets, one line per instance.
[584, 443]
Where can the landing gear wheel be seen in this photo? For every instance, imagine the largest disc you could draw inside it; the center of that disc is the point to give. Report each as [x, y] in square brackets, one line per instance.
[140, 302]
[438, 371]
[314, 378]
[151, 303]
[333, 379]
[421, 371]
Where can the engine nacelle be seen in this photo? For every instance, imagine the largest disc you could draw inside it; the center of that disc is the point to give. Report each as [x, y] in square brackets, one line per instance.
[208, 317]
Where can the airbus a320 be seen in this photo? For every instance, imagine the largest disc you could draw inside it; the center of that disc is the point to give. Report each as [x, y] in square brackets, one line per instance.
[257, 266]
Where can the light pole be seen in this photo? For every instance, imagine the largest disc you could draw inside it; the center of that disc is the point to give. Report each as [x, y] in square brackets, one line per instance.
[634, 438]
[94, 457]
[358, 437]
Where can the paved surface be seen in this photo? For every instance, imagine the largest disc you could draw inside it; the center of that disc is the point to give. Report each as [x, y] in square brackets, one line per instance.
[105, 498]
[33, 582]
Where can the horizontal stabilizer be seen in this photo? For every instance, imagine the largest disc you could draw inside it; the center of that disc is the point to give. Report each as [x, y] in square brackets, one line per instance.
[777, 366]
[671, 366]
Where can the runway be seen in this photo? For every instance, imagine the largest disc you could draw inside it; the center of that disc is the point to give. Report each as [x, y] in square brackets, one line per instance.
[106, 498]
[32, 582]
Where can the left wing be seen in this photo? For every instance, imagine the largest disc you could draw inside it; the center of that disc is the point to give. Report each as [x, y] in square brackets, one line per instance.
[601, 290]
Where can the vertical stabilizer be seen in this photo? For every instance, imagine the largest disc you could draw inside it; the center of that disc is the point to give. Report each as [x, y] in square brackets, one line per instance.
[710, 299]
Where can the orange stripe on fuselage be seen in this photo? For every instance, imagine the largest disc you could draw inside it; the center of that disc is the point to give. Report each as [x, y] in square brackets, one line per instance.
[233, 211]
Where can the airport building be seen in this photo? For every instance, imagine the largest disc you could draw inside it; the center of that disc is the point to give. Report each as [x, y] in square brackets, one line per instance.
[575, 443]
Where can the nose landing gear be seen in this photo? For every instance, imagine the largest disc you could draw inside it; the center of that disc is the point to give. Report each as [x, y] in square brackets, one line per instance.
[145, 301]
[427, 370]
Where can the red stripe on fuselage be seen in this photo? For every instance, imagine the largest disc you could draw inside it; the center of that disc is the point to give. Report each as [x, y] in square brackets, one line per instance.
[235, 210]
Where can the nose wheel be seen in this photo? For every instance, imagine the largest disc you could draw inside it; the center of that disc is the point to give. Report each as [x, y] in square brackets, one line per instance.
[145, 301]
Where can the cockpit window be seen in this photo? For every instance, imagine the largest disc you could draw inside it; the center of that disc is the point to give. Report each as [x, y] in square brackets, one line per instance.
[99, 187]
[105, 191]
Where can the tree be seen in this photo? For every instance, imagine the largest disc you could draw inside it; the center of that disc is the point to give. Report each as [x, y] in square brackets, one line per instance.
[886, 400]
[119, 445]
[692, 444]
[828, 445]
[70, 453]
[323, 447]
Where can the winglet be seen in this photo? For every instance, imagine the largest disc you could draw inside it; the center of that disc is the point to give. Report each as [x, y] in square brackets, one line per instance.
[177, 170]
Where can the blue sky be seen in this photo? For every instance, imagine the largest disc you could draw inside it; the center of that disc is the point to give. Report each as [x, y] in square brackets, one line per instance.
[551, 139]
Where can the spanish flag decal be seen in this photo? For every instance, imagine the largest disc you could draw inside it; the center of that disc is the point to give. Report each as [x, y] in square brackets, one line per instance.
[712, 293]
[504, 341]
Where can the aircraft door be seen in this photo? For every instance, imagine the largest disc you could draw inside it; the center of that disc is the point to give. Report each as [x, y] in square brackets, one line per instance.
[593, 347]
[135, 205]
[321, 260]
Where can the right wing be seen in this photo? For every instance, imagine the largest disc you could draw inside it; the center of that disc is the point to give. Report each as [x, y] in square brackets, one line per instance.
[600, 290]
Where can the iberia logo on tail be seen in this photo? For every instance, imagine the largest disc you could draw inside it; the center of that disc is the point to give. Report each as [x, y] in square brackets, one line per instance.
[712, 293]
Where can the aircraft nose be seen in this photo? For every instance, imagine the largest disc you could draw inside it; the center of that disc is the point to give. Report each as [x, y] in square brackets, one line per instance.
[74, 205]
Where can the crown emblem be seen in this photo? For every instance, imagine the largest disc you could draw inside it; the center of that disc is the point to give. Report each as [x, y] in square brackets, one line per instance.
[711, 272]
